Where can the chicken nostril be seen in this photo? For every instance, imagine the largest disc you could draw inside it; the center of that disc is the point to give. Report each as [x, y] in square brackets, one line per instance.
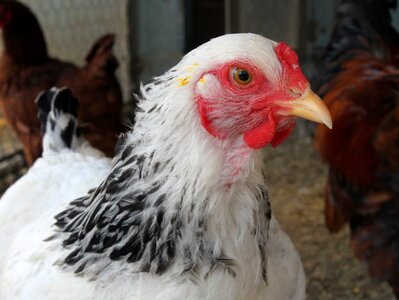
[295, 92]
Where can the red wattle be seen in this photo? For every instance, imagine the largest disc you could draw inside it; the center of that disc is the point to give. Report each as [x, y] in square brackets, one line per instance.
[282, 135]
[261, 136]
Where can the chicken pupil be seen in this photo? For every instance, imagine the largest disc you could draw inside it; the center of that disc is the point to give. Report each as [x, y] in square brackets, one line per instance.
[243, 75]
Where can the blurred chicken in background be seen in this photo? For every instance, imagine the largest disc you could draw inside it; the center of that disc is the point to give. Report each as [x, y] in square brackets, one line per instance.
[359, 81]
[26, 69]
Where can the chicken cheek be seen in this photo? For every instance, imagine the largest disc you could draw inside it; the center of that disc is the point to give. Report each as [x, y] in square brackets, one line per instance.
[206, 123]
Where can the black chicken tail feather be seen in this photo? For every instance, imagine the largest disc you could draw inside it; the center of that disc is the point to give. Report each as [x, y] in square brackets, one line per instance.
[57, 111]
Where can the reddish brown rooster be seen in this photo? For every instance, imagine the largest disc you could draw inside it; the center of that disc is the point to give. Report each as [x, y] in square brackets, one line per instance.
[26, 69]
[359, 81]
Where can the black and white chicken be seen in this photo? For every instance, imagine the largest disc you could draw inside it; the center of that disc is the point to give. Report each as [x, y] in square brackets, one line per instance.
[183, 212]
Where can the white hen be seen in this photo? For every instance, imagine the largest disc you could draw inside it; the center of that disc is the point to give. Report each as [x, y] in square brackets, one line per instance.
[184, 212]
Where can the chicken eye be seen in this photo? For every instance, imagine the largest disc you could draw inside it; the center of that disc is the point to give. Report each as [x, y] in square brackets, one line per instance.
[241, 76]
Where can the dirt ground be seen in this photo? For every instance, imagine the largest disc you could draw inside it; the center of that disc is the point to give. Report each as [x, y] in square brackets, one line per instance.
[296, 180]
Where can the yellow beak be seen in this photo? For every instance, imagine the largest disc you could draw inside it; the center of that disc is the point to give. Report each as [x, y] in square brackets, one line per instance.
[309, 106]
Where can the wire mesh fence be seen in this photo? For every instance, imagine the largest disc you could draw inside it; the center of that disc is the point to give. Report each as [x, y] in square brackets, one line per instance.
[70, 28]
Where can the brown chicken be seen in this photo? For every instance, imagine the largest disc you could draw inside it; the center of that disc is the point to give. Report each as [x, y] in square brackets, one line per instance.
[359, 81]
[26, 69]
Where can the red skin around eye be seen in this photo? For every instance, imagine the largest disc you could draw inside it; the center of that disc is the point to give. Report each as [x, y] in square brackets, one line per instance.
[223, 74]
[258, 82]
[262, 95]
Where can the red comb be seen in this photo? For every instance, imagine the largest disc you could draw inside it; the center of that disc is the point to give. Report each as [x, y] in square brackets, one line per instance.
[286, 55]
[289, 59]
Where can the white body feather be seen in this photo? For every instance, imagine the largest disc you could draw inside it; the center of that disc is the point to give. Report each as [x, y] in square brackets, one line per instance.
[29, 276]
[236, 221]
[50, 184]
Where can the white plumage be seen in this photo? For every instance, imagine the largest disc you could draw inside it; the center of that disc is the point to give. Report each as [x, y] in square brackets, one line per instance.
[182, 213]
